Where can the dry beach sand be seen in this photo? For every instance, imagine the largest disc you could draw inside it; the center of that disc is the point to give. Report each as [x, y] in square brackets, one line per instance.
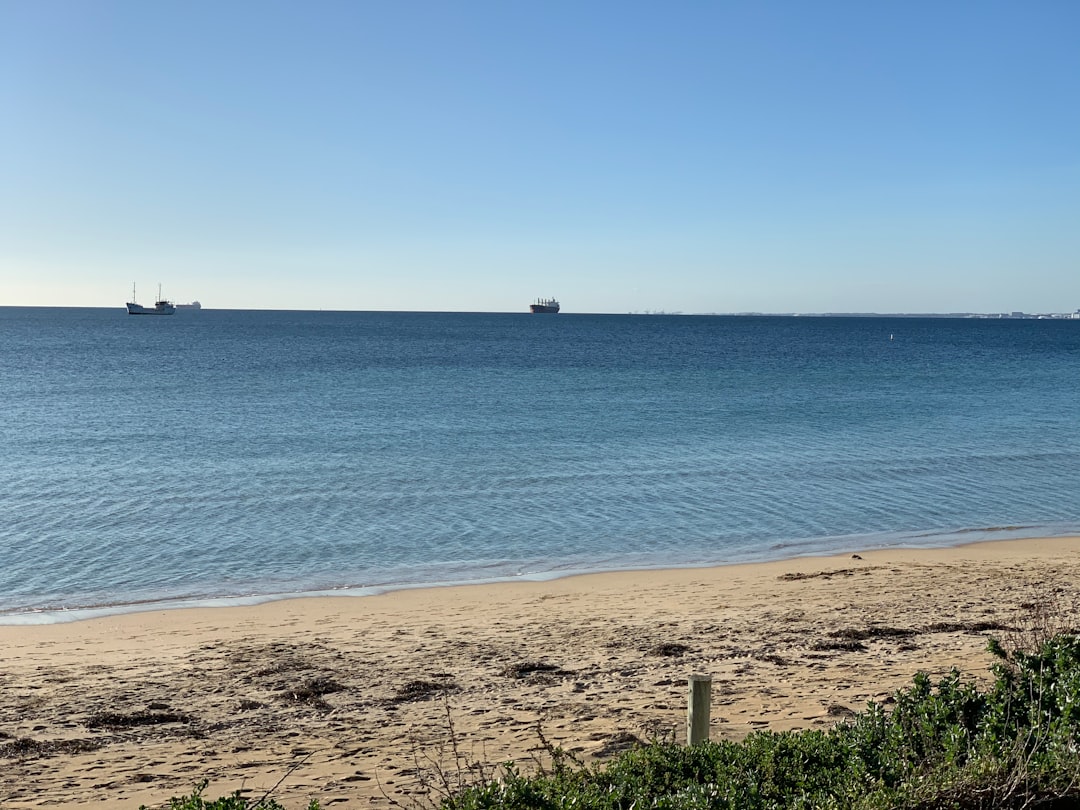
[356, 691]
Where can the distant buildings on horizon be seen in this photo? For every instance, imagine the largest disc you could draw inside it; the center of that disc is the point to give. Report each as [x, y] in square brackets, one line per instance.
[1058, 316]
[1054, 315]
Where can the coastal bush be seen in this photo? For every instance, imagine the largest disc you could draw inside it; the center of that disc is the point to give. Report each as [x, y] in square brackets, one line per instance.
[935, 746]
[234, 801]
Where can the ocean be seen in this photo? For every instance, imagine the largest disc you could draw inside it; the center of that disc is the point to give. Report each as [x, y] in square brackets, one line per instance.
[216, 457]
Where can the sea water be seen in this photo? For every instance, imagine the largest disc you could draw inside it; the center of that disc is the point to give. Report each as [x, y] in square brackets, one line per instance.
[224, 455]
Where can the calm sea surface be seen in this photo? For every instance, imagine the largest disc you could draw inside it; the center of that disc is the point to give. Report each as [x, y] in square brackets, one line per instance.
[221, 454]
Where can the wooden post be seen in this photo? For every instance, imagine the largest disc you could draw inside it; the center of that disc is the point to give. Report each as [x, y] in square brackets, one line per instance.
[697, 709]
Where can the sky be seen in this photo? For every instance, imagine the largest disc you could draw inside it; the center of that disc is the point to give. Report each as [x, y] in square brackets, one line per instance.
[472, 156]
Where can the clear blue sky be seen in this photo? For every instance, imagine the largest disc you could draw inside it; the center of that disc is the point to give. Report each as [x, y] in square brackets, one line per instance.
[690, 156]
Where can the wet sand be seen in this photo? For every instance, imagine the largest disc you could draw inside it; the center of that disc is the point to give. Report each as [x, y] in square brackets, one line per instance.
[342, 698]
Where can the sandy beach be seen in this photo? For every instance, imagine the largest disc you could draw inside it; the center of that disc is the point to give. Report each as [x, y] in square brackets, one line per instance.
[341, 698]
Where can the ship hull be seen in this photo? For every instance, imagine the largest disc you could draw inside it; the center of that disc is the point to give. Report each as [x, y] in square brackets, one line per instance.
[159, 309]
[543, 309]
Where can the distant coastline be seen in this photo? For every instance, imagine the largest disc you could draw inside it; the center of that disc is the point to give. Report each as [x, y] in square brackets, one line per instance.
[1043, 316]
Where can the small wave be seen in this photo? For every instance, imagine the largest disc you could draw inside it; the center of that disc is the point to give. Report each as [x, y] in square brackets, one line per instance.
[541, 571]
[989, 529]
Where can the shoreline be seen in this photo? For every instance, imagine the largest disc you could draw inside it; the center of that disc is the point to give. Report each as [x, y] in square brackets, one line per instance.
[134, 708]
[957, 538]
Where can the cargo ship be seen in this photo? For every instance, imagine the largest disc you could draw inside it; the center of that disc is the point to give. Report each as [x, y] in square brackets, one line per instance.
[161, 306]
[545, 305]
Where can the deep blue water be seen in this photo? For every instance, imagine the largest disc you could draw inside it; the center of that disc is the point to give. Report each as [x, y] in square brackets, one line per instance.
[222, 454]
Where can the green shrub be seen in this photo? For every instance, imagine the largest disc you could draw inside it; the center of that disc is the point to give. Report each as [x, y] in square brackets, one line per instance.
[939, 745]
[234, 801]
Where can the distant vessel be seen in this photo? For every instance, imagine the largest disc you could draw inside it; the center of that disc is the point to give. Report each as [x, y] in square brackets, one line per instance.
[161, 306]
[545, 305]
[192, 305]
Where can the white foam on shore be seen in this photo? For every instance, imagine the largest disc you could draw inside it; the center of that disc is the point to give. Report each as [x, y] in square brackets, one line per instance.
[810, 547]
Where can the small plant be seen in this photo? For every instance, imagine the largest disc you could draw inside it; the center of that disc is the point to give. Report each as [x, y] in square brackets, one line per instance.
[442, 775]
[1039, 621]
[234, 801]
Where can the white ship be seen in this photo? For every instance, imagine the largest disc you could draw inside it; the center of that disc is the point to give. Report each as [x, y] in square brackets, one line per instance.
[161, 306]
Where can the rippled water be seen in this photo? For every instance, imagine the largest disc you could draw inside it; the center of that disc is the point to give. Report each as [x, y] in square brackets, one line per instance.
[221, 454]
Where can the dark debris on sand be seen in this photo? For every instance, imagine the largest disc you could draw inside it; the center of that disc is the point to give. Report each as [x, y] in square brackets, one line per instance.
[966, 627]
[421, 690]
[841, 645]
[313, 688]
[27, 748]
[836, 572]
[617, 744]
[526, 669]
[114, 720]
[671, 649]
[864, 633]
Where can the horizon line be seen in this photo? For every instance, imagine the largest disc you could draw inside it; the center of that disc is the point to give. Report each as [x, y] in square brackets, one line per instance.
[1013, 315]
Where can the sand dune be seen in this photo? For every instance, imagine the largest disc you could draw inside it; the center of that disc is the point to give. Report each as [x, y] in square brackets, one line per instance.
[353, 693]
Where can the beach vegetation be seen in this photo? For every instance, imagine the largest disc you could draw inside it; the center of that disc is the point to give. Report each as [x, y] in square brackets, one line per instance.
[938, 744]
[943, 744]
[234, 801]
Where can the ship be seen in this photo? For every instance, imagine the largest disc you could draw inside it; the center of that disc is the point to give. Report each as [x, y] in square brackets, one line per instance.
[161, 306]
[192, 305]
[547, 306]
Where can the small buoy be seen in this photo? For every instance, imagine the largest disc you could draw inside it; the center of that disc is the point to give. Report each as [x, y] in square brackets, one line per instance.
[890, 337]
